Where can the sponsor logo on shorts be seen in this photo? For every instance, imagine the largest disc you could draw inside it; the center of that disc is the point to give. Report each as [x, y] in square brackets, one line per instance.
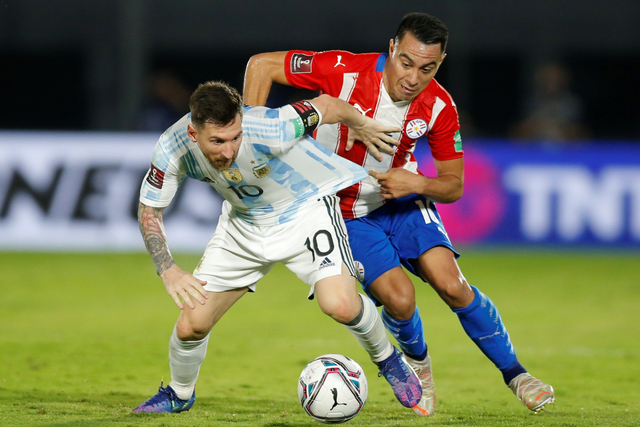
[416, 128]
[233, 175]
[326, 263]
[301, 63]
[155, 177]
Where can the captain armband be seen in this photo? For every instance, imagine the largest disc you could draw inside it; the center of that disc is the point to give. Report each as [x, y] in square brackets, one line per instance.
[309, 117]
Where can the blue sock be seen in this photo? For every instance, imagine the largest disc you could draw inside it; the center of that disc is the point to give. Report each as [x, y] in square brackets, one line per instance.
[408, 333]
[482, 322]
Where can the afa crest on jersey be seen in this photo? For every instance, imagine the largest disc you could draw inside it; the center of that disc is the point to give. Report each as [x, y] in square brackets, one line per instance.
[416, 128]
[261, 170]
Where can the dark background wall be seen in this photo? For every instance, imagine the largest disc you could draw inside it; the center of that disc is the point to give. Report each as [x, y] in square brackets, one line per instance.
[85, 64]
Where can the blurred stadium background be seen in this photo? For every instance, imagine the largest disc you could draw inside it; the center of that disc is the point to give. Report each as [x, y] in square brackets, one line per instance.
[87, 87]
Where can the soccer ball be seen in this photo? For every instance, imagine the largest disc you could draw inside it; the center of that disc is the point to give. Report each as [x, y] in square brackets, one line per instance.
[332, 388]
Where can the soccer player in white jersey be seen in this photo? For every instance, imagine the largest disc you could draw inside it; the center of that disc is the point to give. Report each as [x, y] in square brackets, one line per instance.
[391, 216]
[280, 205]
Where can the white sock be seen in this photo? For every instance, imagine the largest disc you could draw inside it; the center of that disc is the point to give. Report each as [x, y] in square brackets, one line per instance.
[185, 358]
[371, 333]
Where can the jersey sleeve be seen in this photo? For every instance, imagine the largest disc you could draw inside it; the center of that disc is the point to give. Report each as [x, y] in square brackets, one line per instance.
[444, 136]
[309, 70]
[302, 70]
[290, 123]
[161, 182]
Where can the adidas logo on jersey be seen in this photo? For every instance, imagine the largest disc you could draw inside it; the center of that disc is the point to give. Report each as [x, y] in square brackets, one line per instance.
[326, 263]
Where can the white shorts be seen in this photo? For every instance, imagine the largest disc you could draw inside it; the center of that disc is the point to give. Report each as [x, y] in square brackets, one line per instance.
[314, 245]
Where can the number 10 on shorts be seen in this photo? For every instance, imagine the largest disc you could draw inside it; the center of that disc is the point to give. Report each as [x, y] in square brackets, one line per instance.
[429, 215]
[319, 242]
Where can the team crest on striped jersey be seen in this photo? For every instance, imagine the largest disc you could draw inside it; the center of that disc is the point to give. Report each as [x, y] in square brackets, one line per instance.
[416, 128]
[261, 170]
[232, 175]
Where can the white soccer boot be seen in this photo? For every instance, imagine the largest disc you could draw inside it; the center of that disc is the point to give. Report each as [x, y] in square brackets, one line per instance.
[427, 404]
[532, 392]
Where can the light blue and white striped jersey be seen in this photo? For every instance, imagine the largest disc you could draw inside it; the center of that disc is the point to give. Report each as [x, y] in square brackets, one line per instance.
[277, 171]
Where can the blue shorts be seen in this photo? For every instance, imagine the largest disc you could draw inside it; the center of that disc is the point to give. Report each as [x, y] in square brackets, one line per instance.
[395, 234]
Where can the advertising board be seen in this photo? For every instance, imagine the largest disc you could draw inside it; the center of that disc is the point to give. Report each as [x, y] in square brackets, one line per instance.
[79, 191]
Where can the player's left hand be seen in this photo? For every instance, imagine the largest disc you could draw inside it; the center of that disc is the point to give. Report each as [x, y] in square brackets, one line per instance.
[397, 182]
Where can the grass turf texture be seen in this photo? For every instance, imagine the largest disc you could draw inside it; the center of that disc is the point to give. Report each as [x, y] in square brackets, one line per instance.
[84, 340]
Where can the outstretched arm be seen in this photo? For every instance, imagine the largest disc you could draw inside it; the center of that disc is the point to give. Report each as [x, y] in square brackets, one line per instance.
[178, 282]
[265, 68]
[262, 70]
[362, 128]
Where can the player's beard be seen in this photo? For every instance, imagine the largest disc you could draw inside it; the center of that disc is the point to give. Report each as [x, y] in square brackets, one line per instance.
[223, 164]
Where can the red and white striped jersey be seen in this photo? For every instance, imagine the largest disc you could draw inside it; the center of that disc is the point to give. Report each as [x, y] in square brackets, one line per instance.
[357, 79]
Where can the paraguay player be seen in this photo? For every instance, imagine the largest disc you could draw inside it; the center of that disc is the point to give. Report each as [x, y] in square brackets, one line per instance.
[391, 216]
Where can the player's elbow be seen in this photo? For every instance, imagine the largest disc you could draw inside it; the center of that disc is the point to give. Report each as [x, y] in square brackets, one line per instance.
[452, 194]
[457, 193]
[143, 210]
[269, 65]
[457, 188]
[256, 62]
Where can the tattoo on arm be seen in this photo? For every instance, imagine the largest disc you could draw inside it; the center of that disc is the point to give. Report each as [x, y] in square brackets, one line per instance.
[155, 239]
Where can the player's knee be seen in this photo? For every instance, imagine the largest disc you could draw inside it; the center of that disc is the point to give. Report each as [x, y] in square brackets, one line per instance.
[455, 291]
[342, 309]
[400, 303]
[401, 307]
[192, 330]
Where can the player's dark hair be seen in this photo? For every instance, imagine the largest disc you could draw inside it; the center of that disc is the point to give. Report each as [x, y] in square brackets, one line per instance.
[216, 103]
[425, 28]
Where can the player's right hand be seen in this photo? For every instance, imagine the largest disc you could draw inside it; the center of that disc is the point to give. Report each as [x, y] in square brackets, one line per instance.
[182, 284]
[376, 136]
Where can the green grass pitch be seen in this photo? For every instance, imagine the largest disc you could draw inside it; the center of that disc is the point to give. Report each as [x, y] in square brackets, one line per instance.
[83, 340]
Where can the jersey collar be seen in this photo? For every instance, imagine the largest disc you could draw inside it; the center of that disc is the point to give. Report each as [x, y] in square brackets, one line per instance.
[381, 60]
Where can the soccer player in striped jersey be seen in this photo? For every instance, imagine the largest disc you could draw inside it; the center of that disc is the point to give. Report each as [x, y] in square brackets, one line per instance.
[280, 205]
[391, 216]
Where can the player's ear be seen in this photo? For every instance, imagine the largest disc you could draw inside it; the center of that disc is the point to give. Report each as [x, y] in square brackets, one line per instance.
[392, 44]
[444, 55]
[192, 132]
